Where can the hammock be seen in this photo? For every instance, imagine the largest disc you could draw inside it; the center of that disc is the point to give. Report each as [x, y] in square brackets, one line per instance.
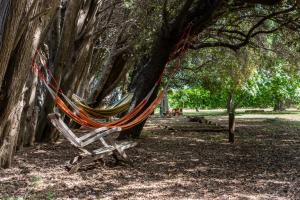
[81, 117]
[131, 119]
[119, 107]
[128, 121]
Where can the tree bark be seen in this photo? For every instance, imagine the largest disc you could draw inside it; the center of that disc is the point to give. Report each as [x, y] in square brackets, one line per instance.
[231, 117]
[20, 41]
[4, 5]
[164, 106]
[62, 62]
[148, 77]
[196, 18]
[279, 105]
[112, 72]
[30, 113]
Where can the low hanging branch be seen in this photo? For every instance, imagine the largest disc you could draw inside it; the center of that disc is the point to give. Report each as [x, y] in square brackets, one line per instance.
[244, 38]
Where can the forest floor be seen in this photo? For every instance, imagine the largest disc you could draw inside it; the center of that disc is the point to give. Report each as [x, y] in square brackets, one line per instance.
[175, 159]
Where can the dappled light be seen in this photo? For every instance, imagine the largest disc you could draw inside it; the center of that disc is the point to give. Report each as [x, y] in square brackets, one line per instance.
[139, 99]
[168, 164]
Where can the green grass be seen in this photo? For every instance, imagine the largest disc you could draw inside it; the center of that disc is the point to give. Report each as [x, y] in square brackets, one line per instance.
[13, 198]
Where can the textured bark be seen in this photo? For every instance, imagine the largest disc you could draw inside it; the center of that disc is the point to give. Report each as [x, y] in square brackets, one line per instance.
[11, 116]
[111, 77]
[10, 33]
[30, 113]
[71, 60]
[9, 107]
[62, 60]
[279, 105]
[170, 35]
[164, 106]
[15, 60]
[231, 117]
[4, 10]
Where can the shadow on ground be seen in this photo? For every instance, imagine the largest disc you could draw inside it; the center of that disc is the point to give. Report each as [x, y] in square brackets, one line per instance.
[168, 163]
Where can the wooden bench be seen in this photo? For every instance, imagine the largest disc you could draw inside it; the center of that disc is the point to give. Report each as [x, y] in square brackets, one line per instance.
[88, 136]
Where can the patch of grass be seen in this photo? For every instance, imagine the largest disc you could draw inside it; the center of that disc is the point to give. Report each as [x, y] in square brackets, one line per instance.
[274, 121]
[13, 198]
[36, 180]
[50, 196]
[283, 122]
[281, 112]
[206, 113]
[295, 124]
[217, 138]
[150, 134]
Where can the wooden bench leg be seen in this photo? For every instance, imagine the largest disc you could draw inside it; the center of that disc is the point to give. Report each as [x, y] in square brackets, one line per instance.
[118, 150]
[87, 160]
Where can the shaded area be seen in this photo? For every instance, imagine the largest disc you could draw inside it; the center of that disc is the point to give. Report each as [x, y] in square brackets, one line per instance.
[170, 164]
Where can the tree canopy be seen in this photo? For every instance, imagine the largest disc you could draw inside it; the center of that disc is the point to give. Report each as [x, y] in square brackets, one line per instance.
[94, 48]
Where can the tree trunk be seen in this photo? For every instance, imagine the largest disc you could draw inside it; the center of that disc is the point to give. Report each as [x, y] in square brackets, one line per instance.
[170, 35]
[113, 72]
[4, 5]
[30, 113]
[19, 43]
[279, 105]
[62, 62]
[147, 78]
[164, 106]
[11, 79]
[231, 117]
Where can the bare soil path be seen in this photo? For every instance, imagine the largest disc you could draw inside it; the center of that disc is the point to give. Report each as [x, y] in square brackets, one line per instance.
[174, 160]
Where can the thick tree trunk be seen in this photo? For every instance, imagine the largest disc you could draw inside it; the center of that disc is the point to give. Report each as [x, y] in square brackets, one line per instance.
[62, 62]
[231, 117]
[11, 80]
[4, 11]
[30, 113]
[148, 76]
[279, 105]
[197, 19]
[19, 43]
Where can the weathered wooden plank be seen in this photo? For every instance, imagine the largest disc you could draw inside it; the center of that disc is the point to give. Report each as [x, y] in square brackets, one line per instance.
[97, 134]
[87, 160]
[62, 128]
[84, 140]
[92, 133]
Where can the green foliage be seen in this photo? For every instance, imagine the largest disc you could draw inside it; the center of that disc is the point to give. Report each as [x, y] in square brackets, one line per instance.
[263, 89]
[196, 98]
[261, 81]
[266, 89]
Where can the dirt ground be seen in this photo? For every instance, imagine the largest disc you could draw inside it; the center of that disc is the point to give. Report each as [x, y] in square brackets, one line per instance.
[175, 159]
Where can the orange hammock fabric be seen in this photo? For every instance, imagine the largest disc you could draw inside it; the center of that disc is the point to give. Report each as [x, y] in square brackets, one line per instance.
[83, 118]
[123, 123]
[128, 121]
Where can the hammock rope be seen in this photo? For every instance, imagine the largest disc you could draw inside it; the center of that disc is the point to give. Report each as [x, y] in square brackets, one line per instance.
[131, 119]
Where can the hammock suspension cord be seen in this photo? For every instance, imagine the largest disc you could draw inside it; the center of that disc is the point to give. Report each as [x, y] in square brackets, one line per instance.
[134, 117]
